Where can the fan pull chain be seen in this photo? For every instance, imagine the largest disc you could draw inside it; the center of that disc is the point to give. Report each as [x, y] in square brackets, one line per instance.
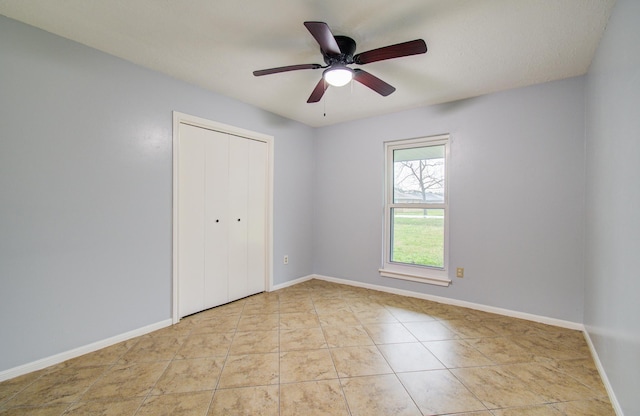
[324, 102]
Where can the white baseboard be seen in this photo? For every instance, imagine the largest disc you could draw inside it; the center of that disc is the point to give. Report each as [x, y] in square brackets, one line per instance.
[603, 375]
[455, 302]
[292, 282]
[76, 352]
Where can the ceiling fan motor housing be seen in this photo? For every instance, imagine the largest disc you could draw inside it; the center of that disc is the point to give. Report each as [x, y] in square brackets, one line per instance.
[347, 48]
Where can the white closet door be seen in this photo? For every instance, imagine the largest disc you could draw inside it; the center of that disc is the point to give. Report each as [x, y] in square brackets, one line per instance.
[238, 193]
[257, 216]
[221, 219]
[191, 236]
[217, 221]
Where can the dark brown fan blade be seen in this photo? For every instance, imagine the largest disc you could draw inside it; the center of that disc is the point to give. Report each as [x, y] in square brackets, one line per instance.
[373, 82]
[324, 37]
[413, 47]
[285, 69]
[318, 91]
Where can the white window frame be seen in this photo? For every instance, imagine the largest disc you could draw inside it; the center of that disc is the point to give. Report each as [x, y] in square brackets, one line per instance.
[424, 274]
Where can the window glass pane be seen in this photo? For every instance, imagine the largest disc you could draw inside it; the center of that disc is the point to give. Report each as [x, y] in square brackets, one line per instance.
[418, 175]
[417, 236]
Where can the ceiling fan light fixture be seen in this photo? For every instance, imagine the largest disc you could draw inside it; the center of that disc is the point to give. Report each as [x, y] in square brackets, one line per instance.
[338, 76]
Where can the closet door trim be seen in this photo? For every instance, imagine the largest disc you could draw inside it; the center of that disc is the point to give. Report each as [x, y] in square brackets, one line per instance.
[181, 118]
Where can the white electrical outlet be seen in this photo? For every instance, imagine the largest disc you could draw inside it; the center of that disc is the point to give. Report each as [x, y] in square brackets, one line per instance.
[286, 260]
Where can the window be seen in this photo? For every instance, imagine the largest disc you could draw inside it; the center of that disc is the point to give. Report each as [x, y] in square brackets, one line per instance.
[416, 210]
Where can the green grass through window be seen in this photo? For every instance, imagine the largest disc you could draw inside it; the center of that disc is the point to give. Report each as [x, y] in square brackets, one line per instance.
[418, 240]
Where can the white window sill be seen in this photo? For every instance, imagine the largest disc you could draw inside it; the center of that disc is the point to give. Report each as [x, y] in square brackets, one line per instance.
[414, 277]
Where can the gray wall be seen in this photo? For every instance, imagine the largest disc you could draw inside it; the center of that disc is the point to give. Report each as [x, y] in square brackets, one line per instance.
[516, 197]
[612, 307]
[85, 185]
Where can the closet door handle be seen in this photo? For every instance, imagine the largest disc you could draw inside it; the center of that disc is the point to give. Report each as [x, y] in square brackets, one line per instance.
[238, 219]
[217, 220]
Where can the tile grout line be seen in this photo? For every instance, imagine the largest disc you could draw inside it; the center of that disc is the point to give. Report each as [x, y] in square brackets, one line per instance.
[344, 395]
[395, 373]
[216, 388]
[103, 375]
[144, 400]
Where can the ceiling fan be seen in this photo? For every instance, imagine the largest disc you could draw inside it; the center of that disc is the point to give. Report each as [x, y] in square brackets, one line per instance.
[338, 53]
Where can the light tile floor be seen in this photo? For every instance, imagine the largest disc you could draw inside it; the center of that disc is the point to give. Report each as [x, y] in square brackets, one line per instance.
[320, 348]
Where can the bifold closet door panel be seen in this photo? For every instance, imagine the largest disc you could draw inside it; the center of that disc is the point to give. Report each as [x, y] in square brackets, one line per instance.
[217, 220]
[191, 219]
[257, 216]
[238, 194]
[222, 223]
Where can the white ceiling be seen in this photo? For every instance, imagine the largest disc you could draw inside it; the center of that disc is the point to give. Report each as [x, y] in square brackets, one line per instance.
[475, 46]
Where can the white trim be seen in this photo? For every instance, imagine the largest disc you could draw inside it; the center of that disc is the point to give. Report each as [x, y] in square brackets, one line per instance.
[181, 118]
[603, 375]
[292, 282]
[455, 302]
[174, 221]
[415, 278]
[76, 352]
[270, 187]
